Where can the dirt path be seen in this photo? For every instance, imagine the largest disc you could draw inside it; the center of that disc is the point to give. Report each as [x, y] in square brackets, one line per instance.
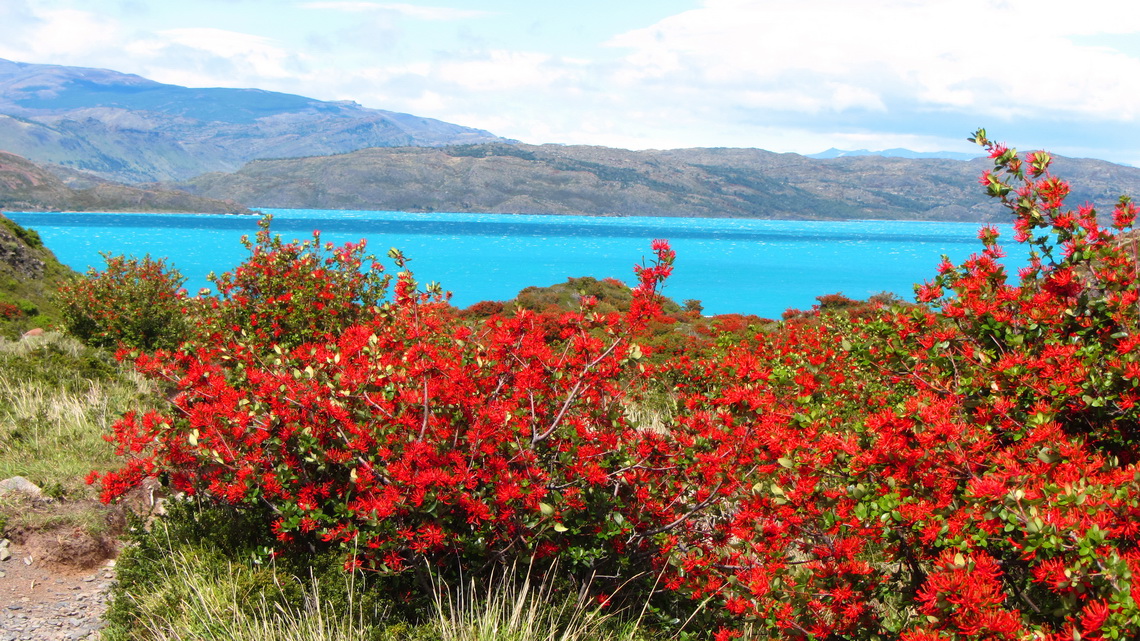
[56, 570]
[51, 601]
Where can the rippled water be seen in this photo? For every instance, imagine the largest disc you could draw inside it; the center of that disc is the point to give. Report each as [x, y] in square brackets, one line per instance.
[732, 265]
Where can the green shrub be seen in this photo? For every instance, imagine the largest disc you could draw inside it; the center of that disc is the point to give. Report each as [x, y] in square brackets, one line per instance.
[133, 302]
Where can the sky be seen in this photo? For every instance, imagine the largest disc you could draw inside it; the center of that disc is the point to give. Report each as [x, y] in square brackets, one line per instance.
[784, 75]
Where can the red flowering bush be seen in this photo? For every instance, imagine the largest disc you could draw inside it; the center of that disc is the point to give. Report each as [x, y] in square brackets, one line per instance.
[966, 472]
[962, 468]
[134, 302]
[285, 294]
[408, 434]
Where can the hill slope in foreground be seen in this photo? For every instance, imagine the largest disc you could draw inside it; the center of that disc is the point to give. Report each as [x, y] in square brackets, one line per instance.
[30, 274]
[25, 186]
[555, 179]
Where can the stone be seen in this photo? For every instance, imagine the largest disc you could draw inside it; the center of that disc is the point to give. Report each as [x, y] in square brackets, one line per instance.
[20, 485]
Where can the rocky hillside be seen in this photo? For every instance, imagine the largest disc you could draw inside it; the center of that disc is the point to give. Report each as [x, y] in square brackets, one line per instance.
[130, 129]
[554, 179]
[29, 276]
[25, 186]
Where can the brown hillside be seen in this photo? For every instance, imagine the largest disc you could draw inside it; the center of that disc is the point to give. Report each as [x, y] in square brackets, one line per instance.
[25, 186]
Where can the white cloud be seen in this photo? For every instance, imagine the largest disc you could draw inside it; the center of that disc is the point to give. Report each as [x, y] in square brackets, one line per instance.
[500, 70]
[247, 60]
[220, 41]
[406, 10]
[63, 35]
[990, 55]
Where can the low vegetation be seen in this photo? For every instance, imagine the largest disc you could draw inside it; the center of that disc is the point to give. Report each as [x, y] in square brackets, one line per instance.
[58, 398]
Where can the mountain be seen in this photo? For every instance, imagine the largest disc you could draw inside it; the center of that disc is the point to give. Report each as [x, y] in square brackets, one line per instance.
[556, 179]
[130, 129]
[898, 152]
[25, 186]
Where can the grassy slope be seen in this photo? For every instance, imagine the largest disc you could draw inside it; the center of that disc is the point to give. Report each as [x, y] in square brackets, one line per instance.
[57, 400]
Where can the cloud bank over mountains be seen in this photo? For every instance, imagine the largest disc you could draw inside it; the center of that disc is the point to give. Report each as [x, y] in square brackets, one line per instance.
[779, 75]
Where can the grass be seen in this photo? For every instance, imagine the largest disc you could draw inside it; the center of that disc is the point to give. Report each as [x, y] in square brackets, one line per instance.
[173, 589]
[653, 410]
[57, 400]
[200, 603]
[509, 610]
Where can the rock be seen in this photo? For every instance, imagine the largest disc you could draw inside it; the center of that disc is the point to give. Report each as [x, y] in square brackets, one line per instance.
[20, 256]
[38, 331]
[20, 485]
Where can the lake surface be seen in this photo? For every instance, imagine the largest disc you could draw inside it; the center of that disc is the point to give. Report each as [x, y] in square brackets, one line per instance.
[732, 265]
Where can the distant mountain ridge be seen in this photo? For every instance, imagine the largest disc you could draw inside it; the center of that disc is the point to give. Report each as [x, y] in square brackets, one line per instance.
[897, 152]
[127, 128]
[566, 179]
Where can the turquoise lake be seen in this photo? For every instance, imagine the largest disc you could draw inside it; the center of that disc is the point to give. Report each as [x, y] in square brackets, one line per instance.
[732, 265]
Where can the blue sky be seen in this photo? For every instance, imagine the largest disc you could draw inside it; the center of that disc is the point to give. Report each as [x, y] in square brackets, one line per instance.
[783, 75]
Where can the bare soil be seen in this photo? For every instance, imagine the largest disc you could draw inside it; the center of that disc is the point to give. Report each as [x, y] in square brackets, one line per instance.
[54, 584]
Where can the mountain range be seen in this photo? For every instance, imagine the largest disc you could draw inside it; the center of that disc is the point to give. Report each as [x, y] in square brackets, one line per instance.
[558, 179]
[897, 152]
[130, 129]
[208, 149]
